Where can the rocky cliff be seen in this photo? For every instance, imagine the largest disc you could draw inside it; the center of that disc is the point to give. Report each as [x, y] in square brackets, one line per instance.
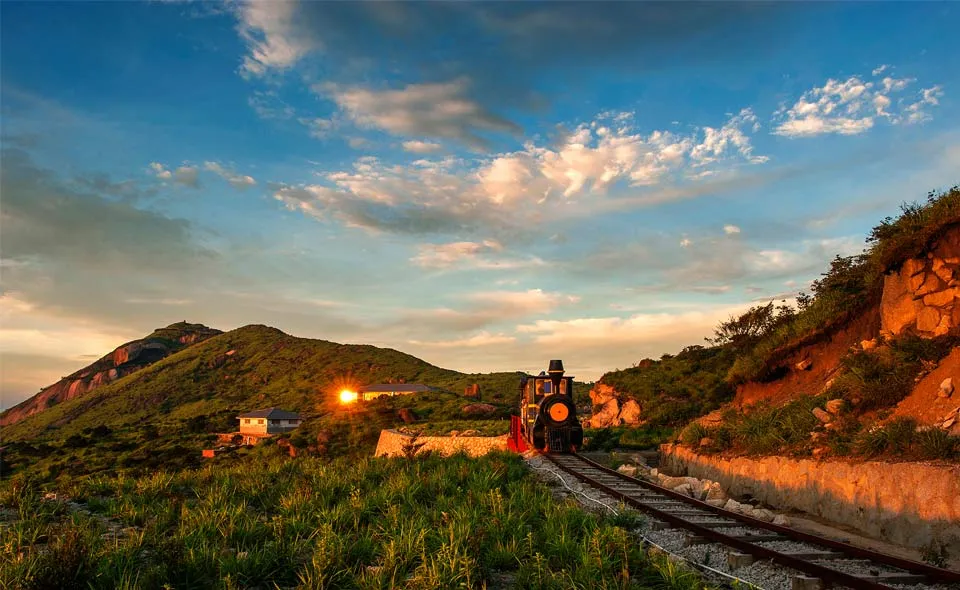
[611, 409]
[126, 359]
[920, 297]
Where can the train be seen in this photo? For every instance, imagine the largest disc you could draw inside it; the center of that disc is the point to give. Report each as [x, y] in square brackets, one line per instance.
[547, 419]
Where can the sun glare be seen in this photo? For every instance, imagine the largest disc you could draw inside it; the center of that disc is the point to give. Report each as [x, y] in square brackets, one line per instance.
[347, 396]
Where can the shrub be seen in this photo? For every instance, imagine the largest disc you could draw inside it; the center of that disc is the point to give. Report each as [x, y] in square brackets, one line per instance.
[937, 444]
[693, 434]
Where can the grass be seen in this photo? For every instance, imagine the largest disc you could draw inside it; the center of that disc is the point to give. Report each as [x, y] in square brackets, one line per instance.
[376, 523]
[622, 437]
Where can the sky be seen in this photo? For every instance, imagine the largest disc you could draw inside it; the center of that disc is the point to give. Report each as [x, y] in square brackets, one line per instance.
[486, 186]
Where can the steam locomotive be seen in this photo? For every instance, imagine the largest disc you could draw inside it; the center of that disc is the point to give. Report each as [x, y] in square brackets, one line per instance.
[548, 417]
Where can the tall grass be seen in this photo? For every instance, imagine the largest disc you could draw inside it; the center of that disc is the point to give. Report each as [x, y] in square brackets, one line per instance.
[376, 523]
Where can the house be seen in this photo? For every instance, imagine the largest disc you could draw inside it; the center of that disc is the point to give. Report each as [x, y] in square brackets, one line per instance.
[268, 421]
[370, 392]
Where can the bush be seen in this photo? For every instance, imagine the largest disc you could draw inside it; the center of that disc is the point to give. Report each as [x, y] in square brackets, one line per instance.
[693, 434]
[937, 444]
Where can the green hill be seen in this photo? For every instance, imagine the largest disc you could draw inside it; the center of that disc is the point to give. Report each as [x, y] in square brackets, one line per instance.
[163, 414]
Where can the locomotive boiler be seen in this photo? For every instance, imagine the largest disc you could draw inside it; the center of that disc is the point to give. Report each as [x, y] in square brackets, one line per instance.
[547, 419]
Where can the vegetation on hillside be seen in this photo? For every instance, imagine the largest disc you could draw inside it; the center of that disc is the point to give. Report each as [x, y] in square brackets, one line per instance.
[754, 345]
[872, 382]
[164, 414]
[376, 523]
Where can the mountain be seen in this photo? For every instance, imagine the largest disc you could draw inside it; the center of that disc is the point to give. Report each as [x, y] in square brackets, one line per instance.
[123, 361]
[161, 413]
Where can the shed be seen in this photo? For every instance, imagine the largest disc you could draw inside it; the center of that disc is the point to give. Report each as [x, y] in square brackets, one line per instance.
[369, 392]
[268, 421]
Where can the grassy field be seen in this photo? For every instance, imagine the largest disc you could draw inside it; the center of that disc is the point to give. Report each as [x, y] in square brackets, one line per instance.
[268, 523]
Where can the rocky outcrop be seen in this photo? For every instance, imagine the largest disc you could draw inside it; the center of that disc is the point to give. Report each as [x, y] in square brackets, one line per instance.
[126, 359]
[611, 409]
[921, 296]
[478, 409]
[907, 503]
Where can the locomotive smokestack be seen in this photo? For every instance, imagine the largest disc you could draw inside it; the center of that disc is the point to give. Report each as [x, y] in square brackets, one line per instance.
[556, 374]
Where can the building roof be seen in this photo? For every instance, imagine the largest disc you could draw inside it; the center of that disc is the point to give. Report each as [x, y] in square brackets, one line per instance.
[398, 387]
[271, 413]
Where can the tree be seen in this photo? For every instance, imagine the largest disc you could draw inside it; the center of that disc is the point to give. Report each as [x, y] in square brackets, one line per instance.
[746, 330]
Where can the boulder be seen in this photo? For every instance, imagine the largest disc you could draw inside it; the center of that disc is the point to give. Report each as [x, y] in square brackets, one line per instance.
[715, 493]
[684, 489]
[126, 353]
[946, 388]
[928, 319]
[607, 415]
[407, 415]
[734, 506]
[630, 412]
[835, 406]
[868, 344]
[804, 365]
[470, 433]
[820, 452]
[762, 514]
[705, 442]
[601, 394]
[781, 520]
[628, 470]
[478, 409]
[822, 415]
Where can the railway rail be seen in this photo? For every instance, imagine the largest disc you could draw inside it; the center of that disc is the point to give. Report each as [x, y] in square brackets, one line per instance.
[828, 563]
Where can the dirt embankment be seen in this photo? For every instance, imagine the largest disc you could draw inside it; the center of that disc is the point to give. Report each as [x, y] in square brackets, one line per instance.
[809, 370]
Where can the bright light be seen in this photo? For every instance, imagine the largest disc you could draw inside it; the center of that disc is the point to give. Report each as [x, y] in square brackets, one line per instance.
[347, 396]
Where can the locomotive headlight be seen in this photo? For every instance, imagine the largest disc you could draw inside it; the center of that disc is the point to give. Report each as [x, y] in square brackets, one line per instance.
[558, 413]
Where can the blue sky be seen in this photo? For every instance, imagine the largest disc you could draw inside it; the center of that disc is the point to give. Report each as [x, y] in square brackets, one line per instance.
[484, 185]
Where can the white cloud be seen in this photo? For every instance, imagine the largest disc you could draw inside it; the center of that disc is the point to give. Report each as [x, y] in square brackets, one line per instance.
[685, 243]
[519, 303]
[421, 147]
[470, 255]
[269, 29]
[880, 69]
[482, 338]
[731, 229]
[185, 175]
[451, 193]
[238, 181]
[319, 127]
[853, 106]
[425, 110]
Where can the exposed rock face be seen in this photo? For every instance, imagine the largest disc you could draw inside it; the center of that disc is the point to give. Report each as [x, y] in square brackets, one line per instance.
[609, 409]
[630, 412]
[607, 415]
[126, 359]
[921, 296]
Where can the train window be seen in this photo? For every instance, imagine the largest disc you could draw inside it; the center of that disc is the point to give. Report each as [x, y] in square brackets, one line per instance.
[547, 387]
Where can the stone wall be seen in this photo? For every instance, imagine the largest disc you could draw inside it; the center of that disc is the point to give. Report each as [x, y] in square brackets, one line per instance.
[906, 503]
[391, 443]
[921, 296]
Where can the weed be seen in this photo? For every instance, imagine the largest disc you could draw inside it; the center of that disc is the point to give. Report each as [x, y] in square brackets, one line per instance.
[935, 553]
[937, 444]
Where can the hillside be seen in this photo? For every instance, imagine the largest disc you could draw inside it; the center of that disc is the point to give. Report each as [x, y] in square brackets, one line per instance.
[858, 366]
[124, 360]
[164, 413]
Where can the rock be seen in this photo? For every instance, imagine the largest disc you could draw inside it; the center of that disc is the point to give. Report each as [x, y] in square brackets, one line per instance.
[897, 310]
[939, 299]
[472, 391]
[820, 452]
[715, 493]
[601, 394]
[931, 284]
[946, 388]
[705, 442]
[630, 412]
[822, 415]
[781, 520]
[835, 406]
[804, 365]
[607, 415]
[762, 514]
[407, 415]
[478, 409]
[684, 489]
[454, 433]
[868, 344]
[928, 319]
[628, 470]
[672, 482]
[818, 437]
[654, 472]
[470, 433]
[733, 506]
[717, 503]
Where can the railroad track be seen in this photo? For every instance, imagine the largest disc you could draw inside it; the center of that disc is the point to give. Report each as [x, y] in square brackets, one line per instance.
[822, 562]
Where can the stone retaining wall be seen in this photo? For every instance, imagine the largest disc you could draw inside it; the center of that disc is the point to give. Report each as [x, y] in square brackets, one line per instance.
[906, 503]
[391, 444]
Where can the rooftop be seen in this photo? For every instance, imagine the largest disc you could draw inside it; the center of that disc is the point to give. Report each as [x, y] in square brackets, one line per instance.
[399, 387]
[271, 413]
